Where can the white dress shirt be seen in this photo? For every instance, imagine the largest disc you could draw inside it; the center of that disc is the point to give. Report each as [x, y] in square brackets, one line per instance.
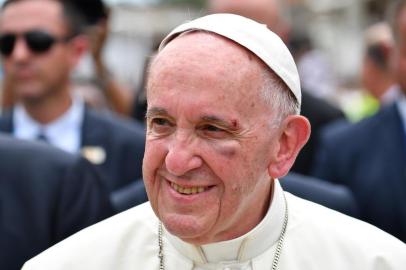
[401, 104]
[391, 95]
[64, 132]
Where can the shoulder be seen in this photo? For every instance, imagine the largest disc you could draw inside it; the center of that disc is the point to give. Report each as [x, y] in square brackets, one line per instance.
[112, 120]
[333, 196]
[32, 154]
[358, 131]
[44, 174]
[116, 133]
[105, 245]
[340, 236]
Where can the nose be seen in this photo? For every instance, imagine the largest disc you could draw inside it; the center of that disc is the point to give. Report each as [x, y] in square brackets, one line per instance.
[20, 51]
[181, 157]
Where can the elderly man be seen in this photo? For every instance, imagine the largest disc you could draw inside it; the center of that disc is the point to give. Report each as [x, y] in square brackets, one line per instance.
[372, 153]
[223, 101]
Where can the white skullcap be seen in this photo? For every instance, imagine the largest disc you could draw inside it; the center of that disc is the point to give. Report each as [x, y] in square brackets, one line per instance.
[252, 35]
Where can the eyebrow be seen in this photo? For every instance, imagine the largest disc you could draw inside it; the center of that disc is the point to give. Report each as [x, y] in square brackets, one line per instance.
[155, 111]
[232, 125]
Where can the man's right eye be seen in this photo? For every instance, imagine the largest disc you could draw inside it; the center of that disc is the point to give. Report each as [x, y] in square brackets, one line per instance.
[160, 121]
[160, 125]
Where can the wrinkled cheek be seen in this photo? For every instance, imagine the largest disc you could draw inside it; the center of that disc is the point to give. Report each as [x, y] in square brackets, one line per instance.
[152, 161]
[153, 156]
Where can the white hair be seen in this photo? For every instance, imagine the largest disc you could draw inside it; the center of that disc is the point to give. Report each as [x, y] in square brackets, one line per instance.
[276, 94]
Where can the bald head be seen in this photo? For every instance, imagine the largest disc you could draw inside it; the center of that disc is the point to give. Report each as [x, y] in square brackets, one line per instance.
[202, 59]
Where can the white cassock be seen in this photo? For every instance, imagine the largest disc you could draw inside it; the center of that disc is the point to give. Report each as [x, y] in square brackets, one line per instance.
[316, 238]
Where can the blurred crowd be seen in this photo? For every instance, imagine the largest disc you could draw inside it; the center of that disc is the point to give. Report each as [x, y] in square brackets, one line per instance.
[79, 132]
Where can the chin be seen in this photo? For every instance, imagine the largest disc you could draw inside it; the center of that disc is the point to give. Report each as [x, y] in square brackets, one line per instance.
[187, 227]
[29, 95]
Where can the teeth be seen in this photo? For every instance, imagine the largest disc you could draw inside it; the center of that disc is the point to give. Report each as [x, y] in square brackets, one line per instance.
[186, 190]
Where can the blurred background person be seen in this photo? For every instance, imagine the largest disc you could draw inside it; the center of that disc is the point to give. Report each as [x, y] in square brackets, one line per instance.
[93, 78]
[370, 156]
[377, 72]
[378, 86]
[316, 72]
[38, 56]
[46, 195]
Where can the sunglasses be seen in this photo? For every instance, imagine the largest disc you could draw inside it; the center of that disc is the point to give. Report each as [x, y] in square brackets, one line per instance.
[37, 41]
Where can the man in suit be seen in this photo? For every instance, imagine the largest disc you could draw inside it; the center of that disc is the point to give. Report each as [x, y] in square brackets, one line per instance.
[370, 156]
[318, 111]
[45, 196]
[39, 54]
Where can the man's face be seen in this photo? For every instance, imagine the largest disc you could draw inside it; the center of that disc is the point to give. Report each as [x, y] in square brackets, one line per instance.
[370, 73]
[209, 139]
[400, 50]
[35, 75]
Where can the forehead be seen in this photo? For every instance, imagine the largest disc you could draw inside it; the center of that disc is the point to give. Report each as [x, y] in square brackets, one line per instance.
[202, 70]
[207, 56]
[32, 14]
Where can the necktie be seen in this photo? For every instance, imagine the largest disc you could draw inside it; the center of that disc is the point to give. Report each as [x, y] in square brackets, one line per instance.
[41, 137]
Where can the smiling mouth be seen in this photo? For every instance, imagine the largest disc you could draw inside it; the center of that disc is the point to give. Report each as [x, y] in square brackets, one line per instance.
[188, 190]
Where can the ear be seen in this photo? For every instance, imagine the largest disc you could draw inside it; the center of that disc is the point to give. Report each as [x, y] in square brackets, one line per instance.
[79, 45]
[295, 132]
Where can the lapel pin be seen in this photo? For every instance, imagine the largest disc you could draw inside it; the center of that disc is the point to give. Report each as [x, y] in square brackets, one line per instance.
[95, 154]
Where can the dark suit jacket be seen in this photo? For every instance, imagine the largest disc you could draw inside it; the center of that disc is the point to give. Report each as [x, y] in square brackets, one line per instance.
[122, 140]
[336, 197]
[45, 196]
[319, 113]
[370, 158]
[332, 196]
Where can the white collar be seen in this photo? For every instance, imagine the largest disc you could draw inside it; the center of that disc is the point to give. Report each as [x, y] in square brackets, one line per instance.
[245, 247]
[392, 94]
[401, 105]
[64, 132]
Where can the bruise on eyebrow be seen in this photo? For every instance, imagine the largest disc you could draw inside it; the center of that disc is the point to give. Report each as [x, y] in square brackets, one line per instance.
[232, 125]
[155, 111]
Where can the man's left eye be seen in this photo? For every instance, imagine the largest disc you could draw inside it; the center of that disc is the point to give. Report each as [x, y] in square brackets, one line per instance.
[212, 128]
[211, 131]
